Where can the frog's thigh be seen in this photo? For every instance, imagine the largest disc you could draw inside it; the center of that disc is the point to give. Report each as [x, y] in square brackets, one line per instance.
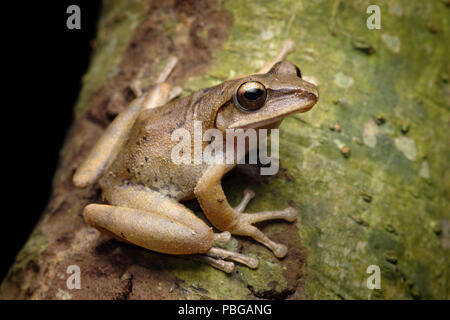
[156, 222]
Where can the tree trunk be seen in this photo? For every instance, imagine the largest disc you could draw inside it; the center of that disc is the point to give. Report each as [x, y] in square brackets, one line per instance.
[366, 168]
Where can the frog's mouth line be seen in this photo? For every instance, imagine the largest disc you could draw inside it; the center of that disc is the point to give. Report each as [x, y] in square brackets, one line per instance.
[268, 122]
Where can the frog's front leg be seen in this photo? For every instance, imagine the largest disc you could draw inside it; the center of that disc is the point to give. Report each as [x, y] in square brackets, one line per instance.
[151, 220]
[213, 201]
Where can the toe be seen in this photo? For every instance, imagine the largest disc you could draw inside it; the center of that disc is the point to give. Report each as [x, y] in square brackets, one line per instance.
[280, 251]
[253, 263]
[291, 214]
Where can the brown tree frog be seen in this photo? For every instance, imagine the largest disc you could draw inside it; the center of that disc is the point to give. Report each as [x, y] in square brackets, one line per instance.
[144, 188]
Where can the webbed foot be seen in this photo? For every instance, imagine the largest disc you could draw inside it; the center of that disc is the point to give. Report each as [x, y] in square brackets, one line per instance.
[245, 227]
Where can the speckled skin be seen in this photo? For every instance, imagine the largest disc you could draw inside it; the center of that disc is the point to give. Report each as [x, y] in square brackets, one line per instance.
[146, 158]
[143, 186]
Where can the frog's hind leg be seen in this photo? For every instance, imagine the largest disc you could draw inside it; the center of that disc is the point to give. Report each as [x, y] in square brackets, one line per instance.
[225, 266]
[109, 144]
[219, 253]
[287, 47]
[162, 92]
[151, 220]
[165, 233]
[217, 257]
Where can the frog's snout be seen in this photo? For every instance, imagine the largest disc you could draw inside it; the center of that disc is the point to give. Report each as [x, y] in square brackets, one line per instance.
[308, 95]
[311, 90]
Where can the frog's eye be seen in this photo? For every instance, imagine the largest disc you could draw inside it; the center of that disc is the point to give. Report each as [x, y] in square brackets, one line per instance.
[250, 96]
[299, 74]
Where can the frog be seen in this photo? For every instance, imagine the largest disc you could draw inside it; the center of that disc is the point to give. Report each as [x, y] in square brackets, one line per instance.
[144, 191]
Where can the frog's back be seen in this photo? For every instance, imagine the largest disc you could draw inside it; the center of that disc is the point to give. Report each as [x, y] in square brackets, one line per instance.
[145, 158]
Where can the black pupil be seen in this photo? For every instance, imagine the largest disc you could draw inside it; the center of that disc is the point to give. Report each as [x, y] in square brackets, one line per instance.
[253, 94]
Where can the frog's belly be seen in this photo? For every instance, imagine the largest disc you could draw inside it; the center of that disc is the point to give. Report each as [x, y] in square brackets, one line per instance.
[176, 181]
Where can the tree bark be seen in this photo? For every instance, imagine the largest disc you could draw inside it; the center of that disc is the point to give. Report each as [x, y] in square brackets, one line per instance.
[367, 168]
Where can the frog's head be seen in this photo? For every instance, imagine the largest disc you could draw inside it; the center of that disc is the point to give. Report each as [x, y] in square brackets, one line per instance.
[263, 100]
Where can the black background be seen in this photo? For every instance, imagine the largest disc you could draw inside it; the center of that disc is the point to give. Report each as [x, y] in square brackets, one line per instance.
[45, 63]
